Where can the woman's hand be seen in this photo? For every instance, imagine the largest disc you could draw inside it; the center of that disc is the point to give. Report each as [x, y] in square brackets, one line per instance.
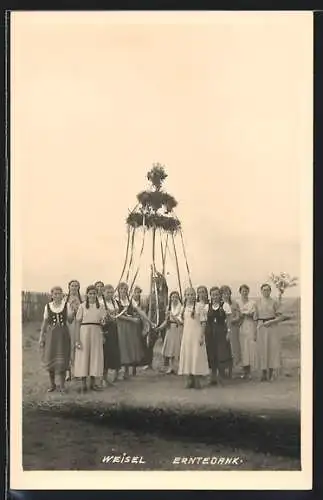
[228, 335]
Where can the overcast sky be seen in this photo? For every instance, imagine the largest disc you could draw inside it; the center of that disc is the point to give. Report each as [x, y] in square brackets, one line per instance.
[95, 103]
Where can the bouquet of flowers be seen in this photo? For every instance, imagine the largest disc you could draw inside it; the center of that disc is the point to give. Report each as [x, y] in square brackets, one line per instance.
[283, 281]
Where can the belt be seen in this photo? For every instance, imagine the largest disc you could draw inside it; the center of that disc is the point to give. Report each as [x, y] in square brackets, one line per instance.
[266, 319]
[93, 324]
[173, 323]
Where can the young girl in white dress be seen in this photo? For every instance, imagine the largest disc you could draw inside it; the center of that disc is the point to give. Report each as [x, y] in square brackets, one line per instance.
[89, 360]
[193, 360]
[247, 332]
[74, 299]
[173, 338]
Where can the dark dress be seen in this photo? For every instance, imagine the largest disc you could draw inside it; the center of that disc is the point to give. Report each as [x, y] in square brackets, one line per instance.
[130, 338]
[57, 349]
[111, 350]
[218, 347]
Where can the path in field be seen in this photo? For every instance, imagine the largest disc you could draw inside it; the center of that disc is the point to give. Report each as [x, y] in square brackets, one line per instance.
[167, 391]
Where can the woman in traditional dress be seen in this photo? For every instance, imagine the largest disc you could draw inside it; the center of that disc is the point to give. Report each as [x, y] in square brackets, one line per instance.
[74, 300]
[99, 285]
[217, 336]
[130, 327]
[174, 331]
[193, 360]
[268, 314]
[247, 332]
[89, 360]
[111, 349]
[234, 320]
[55, 340]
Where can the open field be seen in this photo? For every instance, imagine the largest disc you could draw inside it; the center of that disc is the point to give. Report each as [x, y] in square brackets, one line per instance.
[152, 415]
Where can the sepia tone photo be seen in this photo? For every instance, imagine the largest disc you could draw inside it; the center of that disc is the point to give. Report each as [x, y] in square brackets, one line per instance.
[161, 243]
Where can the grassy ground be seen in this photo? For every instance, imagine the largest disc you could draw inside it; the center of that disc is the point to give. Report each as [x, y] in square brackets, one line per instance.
[153, 416]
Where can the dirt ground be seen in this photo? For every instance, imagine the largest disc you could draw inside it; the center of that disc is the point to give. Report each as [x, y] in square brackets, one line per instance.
[80, 443]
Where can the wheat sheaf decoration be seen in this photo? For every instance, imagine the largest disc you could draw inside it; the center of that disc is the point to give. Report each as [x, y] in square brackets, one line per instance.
[155, 209]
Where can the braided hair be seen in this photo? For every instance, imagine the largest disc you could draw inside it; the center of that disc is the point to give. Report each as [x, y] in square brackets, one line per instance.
[170, 299]
[78, 291]
[185, 304]
[139, 290]
[89, 289]
[227, 289]
[110, 287]
[204, 288]
[124, 285]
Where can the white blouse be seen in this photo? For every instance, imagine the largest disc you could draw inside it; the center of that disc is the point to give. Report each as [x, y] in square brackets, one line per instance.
[57, 309]
[226, 308]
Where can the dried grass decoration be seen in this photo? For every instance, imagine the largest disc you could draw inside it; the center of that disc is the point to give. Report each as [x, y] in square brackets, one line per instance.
[155, 205]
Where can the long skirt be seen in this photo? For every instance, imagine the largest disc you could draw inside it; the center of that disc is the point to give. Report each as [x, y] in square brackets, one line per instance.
[72, 328]
[111, 349]
[148, 343]
[268, 347]
[193, 357]
[130, 342]
[57, 349]
[235, 344]
[172, 342]
[248, 344]
[89, 359]
[218, 347]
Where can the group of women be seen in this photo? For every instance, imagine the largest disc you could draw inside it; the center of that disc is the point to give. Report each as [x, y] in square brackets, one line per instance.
[208, 333]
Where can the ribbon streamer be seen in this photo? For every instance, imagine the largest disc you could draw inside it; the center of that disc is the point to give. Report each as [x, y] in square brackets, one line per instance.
[164, 257]
[177, 268]
[126, 257]
[185, 257]
[157, 298]
[140, 255]
[131, 252]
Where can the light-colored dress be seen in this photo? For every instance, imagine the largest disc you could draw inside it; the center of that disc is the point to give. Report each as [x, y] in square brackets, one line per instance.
[193, 358]
[173, 338]
[268, 338]
[89, 359]
[247, 333]
[74, 302]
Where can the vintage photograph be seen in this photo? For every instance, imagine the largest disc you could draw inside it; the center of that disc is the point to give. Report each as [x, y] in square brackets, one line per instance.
[158, 170]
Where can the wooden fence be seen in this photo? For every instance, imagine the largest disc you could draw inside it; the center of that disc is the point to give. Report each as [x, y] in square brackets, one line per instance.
[33, 304]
